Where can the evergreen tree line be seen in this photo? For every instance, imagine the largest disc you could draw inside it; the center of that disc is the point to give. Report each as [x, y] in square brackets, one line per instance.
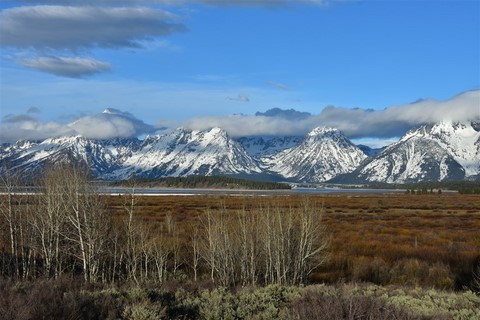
[204, 182]
[66, 228]
[423, 191]
[463, 187]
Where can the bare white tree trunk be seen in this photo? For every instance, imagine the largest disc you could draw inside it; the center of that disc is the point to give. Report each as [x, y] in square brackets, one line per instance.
[195, 242]
[9, 182]
[277, 244]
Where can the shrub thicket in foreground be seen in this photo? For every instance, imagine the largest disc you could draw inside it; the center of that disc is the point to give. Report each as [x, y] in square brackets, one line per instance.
[64, 299]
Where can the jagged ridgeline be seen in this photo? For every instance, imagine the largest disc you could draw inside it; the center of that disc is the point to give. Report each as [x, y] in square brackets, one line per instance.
[445, 151]
[208, 182]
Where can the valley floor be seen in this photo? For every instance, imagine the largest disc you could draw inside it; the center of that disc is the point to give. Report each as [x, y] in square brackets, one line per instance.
[389, 256]
[421, 240]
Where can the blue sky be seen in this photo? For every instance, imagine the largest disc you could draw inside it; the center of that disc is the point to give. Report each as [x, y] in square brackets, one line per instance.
[197, 62]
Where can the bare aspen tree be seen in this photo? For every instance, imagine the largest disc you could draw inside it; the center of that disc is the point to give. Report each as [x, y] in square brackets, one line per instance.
[117, 246]
[217, 246]
[131, 254]
[16, 205]
[221, 243]
[160, 254]
[210, 243]
[247, 239]
[49, 221]
[312, 242]
[88, 220]
[72, 221]
[195, 253]
[76, 214]
[226, 249]
[26, 238]
[146, 254]
[175, 248]
[143, 235]
[281, 245]
[10, 183]
[266, 238]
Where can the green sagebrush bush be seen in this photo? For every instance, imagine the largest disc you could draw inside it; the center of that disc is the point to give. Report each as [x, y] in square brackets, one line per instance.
[428, 303]
[64, 300]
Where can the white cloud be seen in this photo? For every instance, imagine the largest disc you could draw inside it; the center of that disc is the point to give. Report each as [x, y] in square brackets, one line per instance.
[173, 102]
[66, 66]
[355, 123]
[72, 28]
[111, 123]
[31, 129]
[55, 29]
[395, 120]
[55, 26]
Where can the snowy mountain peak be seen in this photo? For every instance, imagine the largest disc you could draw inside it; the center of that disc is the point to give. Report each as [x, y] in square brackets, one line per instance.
[217, 133]
[442, 151]
[323, 154]
[465, 129]
[217, 130]
[319, 131]
[65, 139]
[112, 111]
[183, 152]
[460, 139]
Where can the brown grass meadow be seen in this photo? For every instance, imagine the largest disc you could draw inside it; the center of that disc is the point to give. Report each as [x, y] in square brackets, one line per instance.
[415, 240]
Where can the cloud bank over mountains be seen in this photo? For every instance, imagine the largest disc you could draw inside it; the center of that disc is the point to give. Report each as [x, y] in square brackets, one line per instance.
[354, 122]
[111, 123]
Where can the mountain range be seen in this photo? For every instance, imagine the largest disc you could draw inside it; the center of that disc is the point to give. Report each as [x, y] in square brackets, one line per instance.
[434, 152]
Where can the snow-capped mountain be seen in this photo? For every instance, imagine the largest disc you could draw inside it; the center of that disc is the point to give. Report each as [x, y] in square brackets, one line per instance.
[185, 152]
[259, 146]
[323, 154]
[436, 152]
[442, 151]
[101, 156]
[177, 153]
